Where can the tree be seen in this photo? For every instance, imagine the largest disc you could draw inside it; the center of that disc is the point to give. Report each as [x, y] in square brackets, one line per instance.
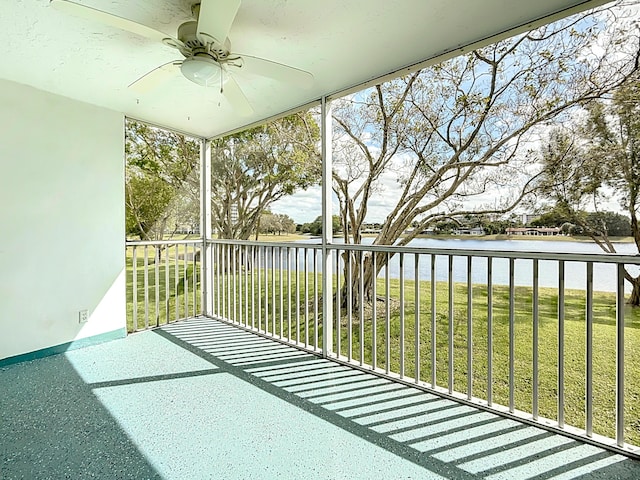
[614, 224]
[554, 217]
[252, 169]
[606, 157]
[161, 179]
[147, 204]
[315, 227]
[276, 223]
[461, 129]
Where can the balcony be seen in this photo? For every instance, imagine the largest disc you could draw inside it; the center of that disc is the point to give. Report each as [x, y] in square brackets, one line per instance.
[200, 398]
[421, 384]
[144, 407]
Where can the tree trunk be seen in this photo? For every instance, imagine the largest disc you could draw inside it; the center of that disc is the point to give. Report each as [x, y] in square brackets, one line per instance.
[352, 272]
[634, 298]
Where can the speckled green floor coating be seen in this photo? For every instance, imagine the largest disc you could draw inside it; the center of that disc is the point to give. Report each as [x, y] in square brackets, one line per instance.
[200, 399]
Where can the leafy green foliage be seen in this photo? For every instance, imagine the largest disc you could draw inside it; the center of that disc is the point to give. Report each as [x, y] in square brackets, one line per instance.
[254, 168]
[315, 227]
[161, 175]
[603, 156]
[276, 223]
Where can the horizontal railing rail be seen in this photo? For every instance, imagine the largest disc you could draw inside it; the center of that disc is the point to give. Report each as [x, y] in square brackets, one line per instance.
[544, 337]
[393, 249]
[163, 282]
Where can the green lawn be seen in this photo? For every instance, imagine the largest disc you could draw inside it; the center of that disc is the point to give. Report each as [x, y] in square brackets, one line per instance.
[260, 310]
[173, 302]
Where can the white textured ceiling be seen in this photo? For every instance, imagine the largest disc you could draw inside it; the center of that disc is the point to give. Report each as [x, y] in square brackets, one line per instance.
[341, 42]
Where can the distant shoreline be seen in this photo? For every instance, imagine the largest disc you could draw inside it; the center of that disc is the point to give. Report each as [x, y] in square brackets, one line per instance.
[500, 236]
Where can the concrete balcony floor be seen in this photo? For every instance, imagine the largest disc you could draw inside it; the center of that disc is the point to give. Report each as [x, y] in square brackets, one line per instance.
[201, 399]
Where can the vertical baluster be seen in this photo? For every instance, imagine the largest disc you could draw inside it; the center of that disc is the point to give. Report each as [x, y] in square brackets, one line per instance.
[228, 291]
[401, 273]
[387, 315]
[227, 284]
[306, 298]
[469, 330]
[176, 281]
[450, 333]
[315, 299]
[349, 303]
[280, 277]
[135, 288]
[338, 304]
[297, 250]
[490, 331]
[213, 275]
[268, 267]
[222, 252]
[289, 294]
[246, 259]
[536, 338]
[222, 279]
[234, 282]
[166, 284]
[561, 343]
[185, 280]
[156, 265]
[146, 287]
[512, 337]
[361, 303]
[261, 255]
[216, 269]
[221, 269]
[416, 333]
[374, 311]
[253, 266]
[195, 281]
[268, 286]
[274, 263]
[589, 351]
[433, 321]
[237, 283]
[620, 357]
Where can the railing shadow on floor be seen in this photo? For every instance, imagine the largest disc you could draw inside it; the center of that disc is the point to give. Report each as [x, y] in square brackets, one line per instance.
[445, 438]
[53, 426]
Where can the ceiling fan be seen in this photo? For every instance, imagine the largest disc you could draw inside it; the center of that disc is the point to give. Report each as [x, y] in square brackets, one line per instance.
[208, 59]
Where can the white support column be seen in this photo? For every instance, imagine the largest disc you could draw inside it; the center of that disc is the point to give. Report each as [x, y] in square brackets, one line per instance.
[206, 264]
[327, 231]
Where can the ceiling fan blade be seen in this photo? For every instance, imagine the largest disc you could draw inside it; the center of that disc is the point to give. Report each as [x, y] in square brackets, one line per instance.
[155, 77]
[235, 96]
[215, 18]
[105, 18]
[277, 71]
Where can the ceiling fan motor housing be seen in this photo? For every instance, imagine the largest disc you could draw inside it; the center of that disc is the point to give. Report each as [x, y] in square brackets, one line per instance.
[203, 43]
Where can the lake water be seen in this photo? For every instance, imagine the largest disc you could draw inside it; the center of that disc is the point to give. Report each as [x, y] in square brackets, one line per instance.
[604, 276]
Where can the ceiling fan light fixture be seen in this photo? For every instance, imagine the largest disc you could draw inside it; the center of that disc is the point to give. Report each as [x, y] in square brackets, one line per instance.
[202, 70]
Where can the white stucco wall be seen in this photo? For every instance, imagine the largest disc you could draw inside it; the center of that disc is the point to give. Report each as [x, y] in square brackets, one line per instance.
[61, 220]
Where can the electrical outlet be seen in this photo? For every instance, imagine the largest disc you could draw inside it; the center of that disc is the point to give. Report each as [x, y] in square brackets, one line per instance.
[83, 316]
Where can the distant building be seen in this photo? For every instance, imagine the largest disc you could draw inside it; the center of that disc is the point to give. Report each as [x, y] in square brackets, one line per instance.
[469, 231]
[527, 218]
[533, 231]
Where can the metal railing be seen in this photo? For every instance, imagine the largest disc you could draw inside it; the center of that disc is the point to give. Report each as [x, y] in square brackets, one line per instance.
[524, 334]
[163, 282]
[270, 288]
